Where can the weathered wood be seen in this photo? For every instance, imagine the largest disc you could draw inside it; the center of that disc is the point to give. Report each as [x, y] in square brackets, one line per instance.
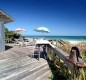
[62, 55]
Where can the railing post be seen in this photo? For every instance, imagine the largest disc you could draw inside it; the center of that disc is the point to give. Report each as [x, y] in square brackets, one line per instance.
[73, 73]
[38, 52]
[47, 51]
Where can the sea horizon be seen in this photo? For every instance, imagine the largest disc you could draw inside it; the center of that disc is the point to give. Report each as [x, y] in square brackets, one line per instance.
[53, 37]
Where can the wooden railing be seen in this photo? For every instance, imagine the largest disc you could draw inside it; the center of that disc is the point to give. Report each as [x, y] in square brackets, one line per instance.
[62, 55]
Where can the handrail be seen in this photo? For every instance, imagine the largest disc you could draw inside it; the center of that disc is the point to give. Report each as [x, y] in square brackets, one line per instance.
[63, 55]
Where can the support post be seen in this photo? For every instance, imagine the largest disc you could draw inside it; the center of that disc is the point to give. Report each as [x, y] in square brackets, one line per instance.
[74, 70]
[2, 36]
[38, 52]
[46, 52]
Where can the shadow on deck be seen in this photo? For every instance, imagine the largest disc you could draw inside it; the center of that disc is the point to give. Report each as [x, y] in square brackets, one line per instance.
[8, 47]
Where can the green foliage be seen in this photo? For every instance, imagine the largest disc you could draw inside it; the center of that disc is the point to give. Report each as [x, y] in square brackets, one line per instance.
[83, 53]
[58, 68]
[59, 73]
[10, 35]
[51, 55]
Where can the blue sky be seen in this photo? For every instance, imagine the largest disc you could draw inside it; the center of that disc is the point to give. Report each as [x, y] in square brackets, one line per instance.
[61, 17]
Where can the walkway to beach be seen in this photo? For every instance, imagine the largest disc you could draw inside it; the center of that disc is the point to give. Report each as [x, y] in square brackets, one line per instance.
[16, 64]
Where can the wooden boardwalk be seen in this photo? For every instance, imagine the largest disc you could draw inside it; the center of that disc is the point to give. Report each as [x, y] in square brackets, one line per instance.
[16, 64]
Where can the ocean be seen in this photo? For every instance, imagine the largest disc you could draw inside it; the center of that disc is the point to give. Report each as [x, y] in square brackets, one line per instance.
[79, 38]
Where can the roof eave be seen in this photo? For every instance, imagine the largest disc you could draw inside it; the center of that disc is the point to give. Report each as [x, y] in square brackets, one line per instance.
[6, 17]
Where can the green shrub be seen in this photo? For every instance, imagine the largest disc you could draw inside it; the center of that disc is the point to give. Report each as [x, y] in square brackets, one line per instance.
[10, 35]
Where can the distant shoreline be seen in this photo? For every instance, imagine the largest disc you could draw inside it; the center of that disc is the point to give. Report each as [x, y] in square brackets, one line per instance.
[66, 38]
[72, 41]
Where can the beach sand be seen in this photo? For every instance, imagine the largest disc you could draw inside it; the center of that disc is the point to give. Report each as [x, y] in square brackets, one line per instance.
[73, 42]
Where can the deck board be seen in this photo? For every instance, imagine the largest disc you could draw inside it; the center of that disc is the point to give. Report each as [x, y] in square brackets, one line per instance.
[16, 64]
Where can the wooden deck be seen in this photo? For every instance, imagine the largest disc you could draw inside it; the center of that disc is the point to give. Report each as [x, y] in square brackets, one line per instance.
[16, 64]
[16, 51]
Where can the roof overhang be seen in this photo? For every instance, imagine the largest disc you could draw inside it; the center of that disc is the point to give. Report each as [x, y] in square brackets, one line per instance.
[6, 18]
